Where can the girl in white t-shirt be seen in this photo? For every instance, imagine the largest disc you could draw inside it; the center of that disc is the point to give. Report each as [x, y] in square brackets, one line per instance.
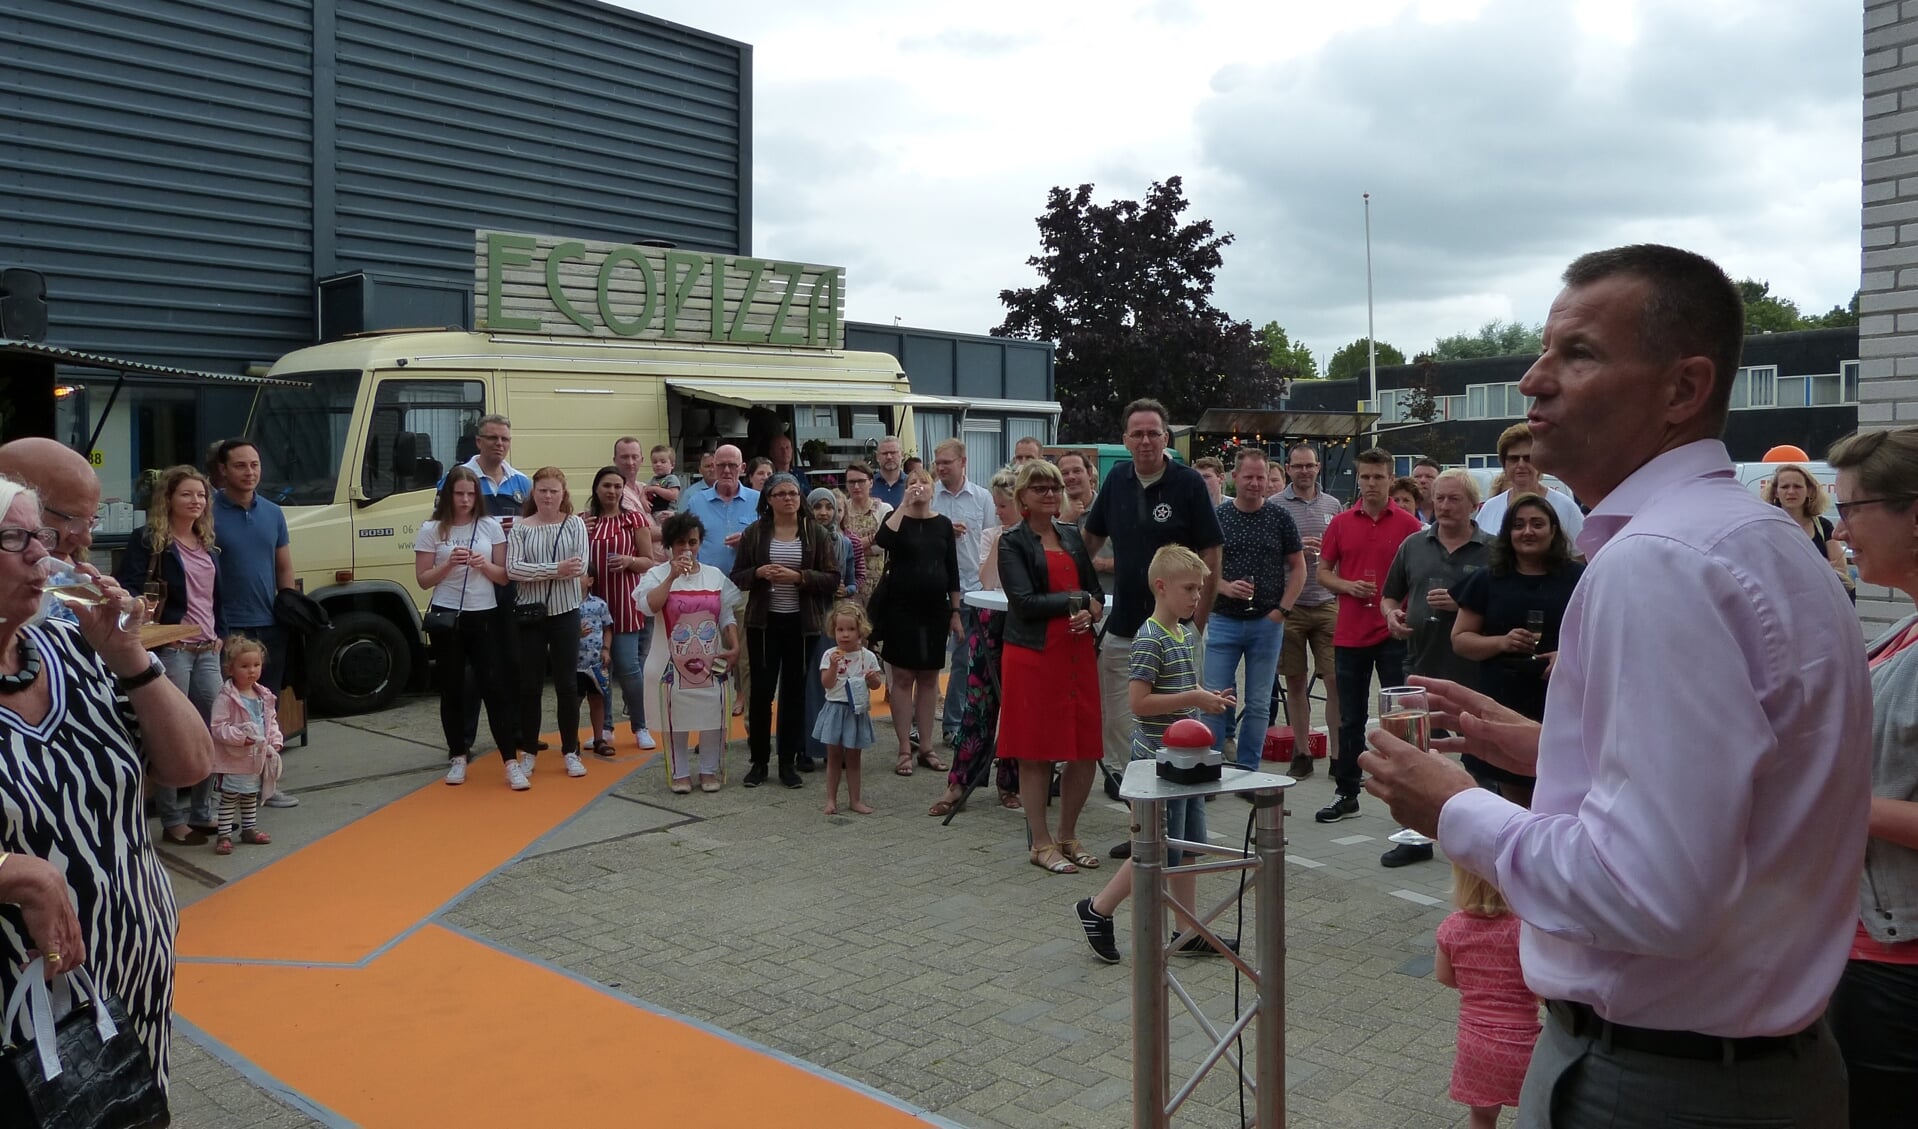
[461, 554]
[850, 673]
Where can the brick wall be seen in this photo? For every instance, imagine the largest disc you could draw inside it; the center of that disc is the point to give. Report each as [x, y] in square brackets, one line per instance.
[1888, 304]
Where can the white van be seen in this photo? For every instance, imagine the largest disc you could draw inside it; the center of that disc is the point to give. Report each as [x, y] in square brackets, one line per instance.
[355, 451]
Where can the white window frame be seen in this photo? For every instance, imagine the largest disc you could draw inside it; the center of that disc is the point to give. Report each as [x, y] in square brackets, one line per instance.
[1755, 386]
[1848, 374]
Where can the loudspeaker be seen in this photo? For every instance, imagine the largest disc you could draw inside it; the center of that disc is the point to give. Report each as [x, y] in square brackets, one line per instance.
[23, 305]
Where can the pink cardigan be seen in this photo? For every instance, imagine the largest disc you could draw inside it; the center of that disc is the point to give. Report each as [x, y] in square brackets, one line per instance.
[237, 746]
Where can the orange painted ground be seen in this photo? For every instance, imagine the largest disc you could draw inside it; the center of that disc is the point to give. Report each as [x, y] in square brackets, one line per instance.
[441, 1029]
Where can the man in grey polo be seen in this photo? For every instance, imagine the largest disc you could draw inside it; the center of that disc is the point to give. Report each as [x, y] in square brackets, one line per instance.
[1418, 605]
[1314, 616]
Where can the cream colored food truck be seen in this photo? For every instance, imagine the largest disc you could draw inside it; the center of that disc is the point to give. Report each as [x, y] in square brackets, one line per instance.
[579, 345]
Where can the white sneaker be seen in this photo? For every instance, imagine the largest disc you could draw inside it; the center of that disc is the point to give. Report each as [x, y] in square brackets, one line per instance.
[516, 777]
[645, 739]
[526, 764]
[573, 765]
[456, 770]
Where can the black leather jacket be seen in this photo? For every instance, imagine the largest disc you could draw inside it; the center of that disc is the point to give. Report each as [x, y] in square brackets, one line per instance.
[1025, 577]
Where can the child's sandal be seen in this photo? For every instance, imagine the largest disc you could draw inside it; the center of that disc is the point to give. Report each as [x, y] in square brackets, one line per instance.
[223, 846]
[253, 836]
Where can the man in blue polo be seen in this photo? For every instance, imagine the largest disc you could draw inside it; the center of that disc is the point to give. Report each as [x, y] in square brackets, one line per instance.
[503, 490]
[889, 479]
[255, 562]
[725, 508]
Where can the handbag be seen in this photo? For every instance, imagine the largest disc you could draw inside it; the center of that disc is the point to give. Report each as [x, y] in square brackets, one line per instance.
[440, 618]
[83, 1069]
[534, 614]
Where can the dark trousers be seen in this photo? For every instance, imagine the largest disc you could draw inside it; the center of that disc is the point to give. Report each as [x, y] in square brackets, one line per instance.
[503, 651]
[1874, 1017]
[1353, 668]
[467, 666]
[275, 639]
[549, 652]
[777, 653]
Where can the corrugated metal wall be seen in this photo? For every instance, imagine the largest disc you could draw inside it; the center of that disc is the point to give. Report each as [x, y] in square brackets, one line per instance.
[161, 161]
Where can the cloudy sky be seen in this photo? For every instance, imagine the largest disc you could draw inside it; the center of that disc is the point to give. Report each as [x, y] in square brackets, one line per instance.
[914, 143]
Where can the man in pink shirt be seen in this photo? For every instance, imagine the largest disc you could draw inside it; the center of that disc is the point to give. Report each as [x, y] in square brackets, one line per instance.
[1354, 556]
[1687, 876]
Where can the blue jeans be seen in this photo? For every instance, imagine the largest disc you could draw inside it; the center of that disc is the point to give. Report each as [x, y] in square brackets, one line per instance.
[629, 657]
[1227, 643]
[1184, 819]
[1354, 667]
[198, 677]
[958, 660]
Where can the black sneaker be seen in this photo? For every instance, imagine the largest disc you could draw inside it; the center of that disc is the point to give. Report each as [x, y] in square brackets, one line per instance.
[1123, 850]
[1301, 767]
[1342, 807]
[805, 762]
[755, 776]
[790, 778]
[1195, 946]
[1098, 929]
[1405, 854]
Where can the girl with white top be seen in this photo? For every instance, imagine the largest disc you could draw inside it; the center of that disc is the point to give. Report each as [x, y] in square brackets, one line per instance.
[546, 554]
[694, 639]
[849, 673]
[461, 554]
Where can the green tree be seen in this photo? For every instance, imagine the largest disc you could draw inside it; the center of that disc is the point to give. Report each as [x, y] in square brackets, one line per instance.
[1351, 360]
[1838, 316]
[1494, 339]
[1126, 293]
[1290, 359]
[1766, 312]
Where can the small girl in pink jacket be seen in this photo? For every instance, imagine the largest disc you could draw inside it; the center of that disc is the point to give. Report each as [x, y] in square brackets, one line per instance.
[246, 743]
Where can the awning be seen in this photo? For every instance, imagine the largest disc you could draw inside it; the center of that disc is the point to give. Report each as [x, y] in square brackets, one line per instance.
[855, 393]
[1016, 407]
[77, 359]
[1301, 425]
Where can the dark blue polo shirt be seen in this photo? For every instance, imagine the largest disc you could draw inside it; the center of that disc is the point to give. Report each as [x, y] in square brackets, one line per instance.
[249, 539]
[1177, 509]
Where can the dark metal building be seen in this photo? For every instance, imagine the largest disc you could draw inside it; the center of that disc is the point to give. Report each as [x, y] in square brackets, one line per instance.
[1005, 383]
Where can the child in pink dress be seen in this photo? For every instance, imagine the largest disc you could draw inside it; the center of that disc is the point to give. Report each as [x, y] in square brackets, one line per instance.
[1497, 1014]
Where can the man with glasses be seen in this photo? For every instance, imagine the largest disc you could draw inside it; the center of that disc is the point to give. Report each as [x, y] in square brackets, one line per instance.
[255, 562]
[503, 490]
[969, 508]
[1521, 475]
[725, 508]
[1146, 503]
[1315, 617]
[889, 485]
[69, 496]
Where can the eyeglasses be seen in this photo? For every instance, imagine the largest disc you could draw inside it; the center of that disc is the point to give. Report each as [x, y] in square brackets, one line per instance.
[1518, 458]
[1845, 508]
[496, 438]
[66, 519]
[14, 539]
[1044, 488]
[1144, 434]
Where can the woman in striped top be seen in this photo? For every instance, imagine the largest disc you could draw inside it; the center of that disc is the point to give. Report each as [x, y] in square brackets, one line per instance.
[788, 569]
[546, 554]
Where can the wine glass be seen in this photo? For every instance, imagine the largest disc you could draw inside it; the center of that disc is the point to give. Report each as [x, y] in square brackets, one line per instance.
[153, 595]
[1406, 713]
[1535, 623]
[1371, 576]
[71, 586]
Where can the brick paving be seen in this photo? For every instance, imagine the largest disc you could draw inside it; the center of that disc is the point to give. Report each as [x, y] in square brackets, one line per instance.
[934, 963]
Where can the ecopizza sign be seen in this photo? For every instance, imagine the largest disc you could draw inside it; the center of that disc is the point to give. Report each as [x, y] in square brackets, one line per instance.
[581, 288]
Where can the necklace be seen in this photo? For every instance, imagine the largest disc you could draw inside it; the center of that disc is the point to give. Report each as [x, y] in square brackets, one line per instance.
[29, 671]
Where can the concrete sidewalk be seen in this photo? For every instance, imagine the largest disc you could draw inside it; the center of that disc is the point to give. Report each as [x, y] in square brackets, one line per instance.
[930, 963]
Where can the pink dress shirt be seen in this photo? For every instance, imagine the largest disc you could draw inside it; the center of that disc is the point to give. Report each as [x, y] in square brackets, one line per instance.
[1692, 855]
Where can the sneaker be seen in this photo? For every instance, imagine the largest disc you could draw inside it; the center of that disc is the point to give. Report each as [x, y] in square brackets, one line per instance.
[1405, 854]
[805, 762]
[574, 766]
[1301, 767]
[283, 800]
[790, 778]
[1098, 929]
[1195, 946]
[645, 738]
[708, 783]
[526, 764]
[1122, 851]
[516, 777]
[1341, 807]
[755, 776]
[456, 770]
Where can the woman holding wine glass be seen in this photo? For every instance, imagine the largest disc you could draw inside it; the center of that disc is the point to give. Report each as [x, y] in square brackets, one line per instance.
[171, 564]
[1508, 621]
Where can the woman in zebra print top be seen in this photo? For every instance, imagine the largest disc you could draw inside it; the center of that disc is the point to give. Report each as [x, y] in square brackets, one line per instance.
[79, 881]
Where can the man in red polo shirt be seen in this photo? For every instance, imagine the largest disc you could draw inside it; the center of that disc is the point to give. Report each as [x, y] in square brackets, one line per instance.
[1357, 552]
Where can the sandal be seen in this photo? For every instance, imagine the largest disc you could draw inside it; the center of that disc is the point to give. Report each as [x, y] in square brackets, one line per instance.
[1048, 858]
[1076, 851]
[223, 847]
[603, 749]
[1011, 801]
[941, 807]
[904, 767]
[934, 763]
[255, 837]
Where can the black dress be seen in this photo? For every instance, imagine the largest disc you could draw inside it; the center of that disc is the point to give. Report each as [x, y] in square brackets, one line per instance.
[912, 609]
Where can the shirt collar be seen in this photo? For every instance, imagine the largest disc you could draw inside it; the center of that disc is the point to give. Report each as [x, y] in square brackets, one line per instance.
[473, 464]
[965, 488]
[1705, 458]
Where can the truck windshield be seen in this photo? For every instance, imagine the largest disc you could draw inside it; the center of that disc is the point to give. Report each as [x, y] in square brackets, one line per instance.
[302, 436]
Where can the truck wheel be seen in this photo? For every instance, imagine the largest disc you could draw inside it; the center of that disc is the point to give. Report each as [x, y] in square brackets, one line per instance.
[359, 666]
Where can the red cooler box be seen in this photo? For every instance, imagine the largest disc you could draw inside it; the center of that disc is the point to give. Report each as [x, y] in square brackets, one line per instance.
[1278, 743]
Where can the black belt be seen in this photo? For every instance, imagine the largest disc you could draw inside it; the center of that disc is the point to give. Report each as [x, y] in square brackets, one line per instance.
[1581, 1020]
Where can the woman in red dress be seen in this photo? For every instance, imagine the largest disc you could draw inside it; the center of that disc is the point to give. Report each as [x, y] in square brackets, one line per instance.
[1049, 675]
[621, 544]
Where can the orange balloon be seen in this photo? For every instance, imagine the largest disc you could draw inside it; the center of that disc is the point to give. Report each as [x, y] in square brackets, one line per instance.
[1786, 453]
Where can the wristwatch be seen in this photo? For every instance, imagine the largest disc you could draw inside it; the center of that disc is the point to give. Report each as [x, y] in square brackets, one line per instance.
[155, 668]
[1285, 611]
